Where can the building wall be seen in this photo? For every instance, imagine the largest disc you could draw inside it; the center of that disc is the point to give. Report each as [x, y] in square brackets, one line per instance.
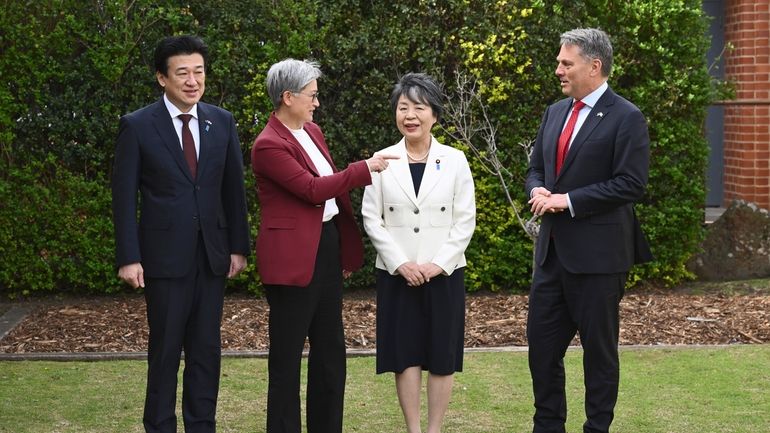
[747, 117]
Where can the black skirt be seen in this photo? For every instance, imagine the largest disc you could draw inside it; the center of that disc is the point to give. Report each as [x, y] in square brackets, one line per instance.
[420, 326]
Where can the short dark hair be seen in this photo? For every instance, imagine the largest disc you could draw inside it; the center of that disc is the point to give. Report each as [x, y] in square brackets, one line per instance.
[419, 88]
[176, 45]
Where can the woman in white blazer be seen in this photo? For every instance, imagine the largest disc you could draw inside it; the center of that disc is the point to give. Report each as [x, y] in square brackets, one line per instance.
[420, 215]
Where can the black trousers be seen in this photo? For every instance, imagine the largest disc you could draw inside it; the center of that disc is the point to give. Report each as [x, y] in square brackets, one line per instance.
[184, 313]
[561, 304]
[313, 312]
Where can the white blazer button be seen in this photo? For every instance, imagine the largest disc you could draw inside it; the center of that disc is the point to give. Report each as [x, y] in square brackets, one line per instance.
[417, 230]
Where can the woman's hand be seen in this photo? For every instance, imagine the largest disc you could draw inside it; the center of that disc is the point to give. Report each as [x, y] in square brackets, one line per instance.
[417, 275]
[430, 270]
[379, 162]
[411, 273]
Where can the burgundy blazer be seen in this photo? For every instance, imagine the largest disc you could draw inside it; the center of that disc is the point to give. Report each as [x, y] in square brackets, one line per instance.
[291, 196]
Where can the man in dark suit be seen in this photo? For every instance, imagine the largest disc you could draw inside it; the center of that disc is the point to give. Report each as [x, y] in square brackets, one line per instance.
[184, 158]
[589, 235]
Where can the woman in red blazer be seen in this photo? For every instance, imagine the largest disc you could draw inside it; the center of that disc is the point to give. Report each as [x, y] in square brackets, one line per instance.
[308, 240]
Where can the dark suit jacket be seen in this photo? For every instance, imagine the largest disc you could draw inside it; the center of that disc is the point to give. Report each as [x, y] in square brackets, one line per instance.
[605, 172]
[292, 196]
[173, 206]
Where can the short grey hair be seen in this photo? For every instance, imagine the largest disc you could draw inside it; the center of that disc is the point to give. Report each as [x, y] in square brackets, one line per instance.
[593, 44]
[292, 75]
[419, 88]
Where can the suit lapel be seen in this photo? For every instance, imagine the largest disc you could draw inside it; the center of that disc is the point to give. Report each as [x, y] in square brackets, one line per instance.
[400, 170]
[284, 133]
[165, 127]
[204, 130]
[603, 106]
[430, 178]
[553, 131]
[433, 172]
[320, 143]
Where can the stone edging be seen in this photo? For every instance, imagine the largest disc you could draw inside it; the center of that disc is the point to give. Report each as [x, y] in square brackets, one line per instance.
[351, 353]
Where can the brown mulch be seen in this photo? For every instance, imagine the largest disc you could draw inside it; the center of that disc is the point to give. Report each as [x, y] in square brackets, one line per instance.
[118, 324]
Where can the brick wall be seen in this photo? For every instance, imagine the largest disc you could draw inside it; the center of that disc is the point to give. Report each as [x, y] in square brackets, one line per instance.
[747, 117]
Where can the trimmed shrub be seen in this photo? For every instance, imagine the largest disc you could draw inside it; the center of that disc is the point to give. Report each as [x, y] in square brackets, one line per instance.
[71, 69]
[57, 232]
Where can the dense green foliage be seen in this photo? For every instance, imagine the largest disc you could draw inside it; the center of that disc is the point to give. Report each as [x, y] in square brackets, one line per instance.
[70, 68]
[658, 65]
[56, 233]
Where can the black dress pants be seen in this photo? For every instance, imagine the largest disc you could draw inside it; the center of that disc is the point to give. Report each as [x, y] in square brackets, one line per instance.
[561, 304]
[313, 312]
[184, 313]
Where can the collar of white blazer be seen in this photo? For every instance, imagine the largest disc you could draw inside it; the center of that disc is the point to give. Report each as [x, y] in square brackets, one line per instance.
[437, 164]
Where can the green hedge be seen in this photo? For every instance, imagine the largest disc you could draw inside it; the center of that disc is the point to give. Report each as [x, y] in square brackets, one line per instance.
[71, 68]
[661, 67]
[56, 233]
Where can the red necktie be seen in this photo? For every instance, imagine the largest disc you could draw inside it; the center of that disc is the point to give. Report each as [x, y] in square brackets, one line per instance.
[563, 144]
[188, 144]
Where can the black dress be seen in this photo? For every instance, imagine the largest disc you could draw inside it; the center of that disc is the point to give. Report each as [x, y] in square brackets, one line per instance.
[420, 326]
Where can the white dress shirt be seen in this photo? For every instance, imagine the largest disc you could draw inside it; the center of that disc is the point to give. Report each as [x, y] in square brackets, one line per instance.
[175, 112]
[321, 164]
[590, 101]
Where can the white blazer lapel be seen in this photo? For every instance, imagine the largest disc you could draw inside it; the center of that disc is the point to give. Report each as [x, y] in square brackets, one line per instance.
[436, 165]
[399, 168]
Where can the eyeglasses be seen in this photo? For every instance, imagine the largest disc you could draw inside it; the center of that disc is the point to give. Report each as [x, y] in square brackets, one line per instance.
[313, 96]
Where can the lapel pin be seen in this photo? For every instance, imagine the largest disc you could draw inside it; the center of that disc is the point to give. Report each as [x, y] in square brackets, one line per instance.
[600, 114]
[438, 164]
[208, 124]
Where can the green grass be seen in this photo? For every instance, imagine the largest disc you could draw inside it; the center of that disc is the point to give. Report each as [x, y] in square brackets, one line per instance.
[692, 390]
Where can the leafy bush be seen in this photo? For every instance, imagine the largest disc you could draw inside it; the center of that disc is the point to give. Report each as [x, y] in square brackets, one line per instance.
[57, 234]
[500, 254]
[659, 65]
[70, 68]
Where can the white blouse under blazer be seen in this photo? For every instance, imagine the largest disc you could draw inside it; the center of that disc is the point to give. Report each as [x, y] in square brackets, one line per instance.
[435, 226]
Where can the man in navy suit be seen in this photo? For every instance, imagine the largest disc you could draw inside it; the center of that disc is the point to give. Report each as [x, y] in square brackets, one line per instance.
[589, 165]
[184, 159]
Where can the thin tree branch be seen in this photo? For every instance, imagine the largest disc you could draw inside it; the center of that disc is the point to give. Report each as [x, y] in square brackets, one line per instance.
[468, 122]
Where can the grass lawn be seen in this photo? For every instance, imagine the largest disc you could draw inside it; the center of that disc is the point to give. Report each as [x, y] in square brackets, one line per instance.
[690, 390]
